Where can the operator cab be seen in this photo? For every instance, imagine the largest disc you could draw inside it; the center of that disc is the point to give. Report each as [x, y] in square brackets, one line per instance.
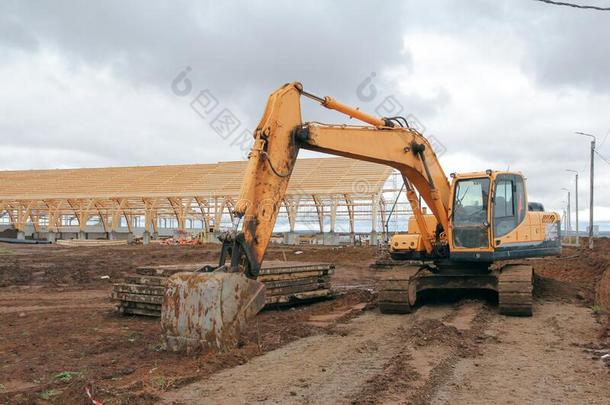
[486, 205]
[489, 219]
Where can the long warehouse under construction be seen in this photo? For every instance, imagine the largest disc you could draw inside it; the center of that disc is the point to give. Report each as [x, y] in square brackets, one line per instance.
[327, 199]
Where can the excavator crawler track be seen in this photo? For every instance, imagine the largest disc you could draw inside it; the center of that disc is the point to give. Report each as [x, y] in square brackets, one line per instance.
[394, 293]
[515, 287]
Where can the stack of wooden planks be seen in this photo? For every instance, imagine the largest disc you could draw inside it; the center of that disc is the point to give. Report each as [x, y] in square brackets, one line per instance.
[286, 282]
[90, 242]
[142, 293]
[295, 282]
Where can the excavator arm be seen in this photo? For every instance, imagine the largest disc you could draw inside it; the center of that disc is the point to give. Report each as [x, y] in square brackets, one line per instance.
[277, 140]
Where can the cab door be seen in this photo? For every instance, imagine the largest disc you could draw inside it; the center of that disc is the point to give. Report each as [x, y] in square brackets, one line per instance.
[470, 217]
[509, 204]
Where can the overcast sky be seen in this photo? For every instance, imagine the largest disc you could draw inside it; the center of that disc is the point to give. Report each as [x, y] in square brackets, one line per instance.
[500, 84]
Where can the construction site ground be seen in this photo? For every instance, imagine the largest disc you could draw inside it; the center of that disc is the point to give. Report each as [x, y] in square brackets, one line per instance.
[61, 333]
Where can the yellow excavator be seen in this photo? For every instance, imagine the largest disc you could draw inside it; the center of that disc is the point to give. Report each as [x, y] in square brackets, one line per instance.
[476, 220]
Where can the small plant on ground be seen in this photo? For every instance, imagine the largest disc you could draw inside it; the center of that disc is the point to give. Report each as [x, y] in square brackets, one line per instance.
[161, 383]
[47, 394]
[66, 376]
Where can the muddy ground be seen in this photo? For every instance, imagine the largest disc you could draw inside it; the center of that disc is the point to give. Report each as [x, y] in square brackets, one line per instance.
[60, 333]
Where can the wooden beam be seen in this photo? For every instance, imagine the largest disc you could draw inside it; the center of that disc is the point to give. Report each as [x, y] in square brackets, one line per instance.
[333, 212]
[82, 210]
[151, 214]
[229, 203]
[99, 207]
[181, 208]
[23, 209]
[35, 220]
[120, 209]
[219, 207]
[382, 211]
[349, 203]
[204, 208]
[54, 214]
[320, 211]
[375, 198]
[292, 208]
[3, 207]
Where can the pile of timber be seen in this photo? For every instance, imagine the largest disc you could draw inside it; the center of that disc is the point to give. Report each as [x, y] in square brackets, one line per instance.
[286, 283]
[90, 242]
[290, 282]
[142, 293]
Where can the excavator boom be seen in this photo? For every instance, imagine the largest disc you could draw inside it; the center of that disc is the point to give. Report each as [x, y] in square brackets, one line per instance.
[281, 133]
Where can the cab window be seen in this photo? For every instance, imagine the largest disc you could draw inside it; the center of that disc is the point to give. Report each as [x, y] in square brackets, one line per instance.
[509, 203]
[469, 216]
[504, 199]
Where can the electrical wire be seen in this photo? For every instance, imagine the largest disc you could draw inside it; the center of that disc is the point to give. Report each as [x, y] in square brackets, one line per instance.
[606, 137]
[603, 158]
[587, 7]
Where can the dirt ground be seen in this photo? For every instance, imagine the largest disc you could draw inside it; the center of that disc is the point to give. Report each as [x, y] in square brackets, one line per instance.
[60, 334]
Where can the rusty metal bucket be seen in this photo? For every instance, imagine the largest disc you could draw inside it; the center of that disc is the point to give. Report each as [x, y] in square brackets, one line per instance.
[208, 311]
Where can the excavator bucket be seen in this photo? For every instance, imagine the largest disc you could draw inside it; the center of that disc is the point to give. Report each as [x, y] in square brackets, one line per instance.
[208, 311]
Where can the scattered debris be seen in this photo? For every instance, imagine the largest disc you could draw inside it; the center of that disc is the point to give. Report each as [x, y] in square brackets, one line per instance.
[89, 394]
[180, 242]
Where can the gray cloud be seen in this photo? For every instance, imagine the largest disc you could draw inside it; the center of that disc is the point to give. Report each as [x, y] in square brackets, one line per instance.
[498, 82]
[237, 48]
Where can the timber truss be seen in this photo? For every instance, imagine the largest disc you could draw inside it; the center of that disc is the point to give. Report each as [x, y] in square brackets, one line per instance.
[321, 190]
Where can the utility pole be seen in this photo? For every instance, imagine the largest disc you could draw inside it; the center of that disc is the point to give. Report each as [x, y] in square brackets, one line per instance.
[576, 202]
[591, 188]
[568, 217]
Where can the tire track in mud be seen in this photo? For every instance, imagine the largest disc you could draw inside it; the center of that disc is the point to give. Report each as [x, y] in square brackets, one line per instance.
[371, 359]
[537, 359]
[429, 351]
[317, 369]
[40, 301]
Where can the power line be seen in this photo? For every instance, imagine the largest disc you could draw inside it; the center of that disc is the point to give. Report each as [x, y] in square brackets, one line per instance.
[601, 156]
[560, 3]
[606, 137]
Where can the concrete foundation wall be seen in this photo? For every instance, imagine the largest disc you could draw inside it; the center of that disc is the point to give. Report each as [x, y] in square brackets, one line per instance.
[332, 238]
[289, 238]
[92, 232]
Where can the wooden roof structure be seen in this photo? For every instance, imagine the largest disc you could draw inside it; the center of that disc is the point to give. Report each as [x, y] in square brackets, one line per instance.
[204, 191]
